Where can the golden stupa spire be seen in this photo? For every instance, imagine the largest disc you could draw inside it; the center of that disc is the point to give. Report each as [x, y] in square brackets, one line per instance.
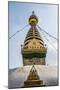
[33, 48]
[33, 33]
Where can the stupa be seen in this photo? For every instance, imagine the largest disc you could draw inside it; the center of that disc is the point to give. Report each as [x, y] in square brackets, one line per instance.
[34, 49]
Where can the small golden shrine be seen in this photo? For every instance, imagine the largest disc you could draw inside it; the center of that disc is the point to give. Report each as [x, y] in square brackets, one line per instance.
[33, 79]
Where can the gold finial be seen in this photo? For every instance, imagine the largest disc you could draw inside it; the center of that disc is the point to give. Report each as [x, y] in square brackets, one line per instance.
[33, 20]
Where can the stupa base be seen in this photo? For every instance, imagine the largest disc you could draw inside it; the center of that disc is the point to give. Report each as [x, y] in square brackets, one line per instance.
[33, 83]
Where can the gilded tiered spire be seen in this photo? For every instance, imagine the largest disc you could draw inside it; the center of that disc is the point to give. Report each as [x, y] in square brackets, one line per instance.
[33, 33]
[33, 49]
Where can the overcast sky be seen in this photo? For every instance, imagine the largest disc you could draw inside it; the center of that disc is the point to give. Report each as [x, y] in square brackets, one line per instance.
[18, 18]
